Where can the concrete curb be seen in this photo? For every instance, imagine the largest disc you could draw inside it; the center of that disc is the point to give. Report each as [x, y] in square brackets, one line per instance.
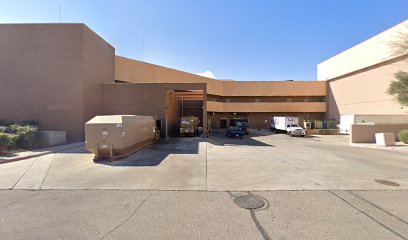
[388, 148]
[19, 158]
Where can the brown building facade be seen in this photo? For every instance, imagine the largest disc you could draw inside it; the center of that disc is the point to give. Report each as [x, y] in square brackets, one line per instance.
[53, 74]
[61, 75]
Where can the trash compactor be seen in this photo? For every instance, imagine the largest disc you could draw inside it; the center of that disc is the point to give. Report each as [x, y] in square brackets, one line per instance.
[117, 136]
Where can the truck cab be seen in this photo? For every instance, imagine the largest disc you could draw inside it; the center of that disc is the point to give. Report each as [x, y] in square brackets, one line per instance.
[189, 126]
[233, 131]
[241, 123]
[295, 130]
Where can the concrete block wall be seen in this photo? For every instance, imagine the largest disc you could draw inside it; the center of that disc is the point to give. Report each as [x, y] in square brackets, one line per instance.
[366, 133]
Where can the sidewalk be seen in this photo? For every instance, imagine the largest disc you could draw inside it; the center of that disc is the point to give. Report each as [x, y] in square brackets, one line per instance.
[37, 152]
[399, 146]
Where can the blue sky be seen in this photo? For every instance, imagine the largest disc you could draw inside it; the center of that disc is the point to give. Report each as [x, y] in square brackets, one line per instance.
[240, 40]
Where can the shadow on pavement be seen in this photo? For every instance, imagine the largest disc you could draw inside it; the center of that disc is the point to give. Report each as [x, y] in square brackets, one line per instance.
[155, 154]
[222, 140]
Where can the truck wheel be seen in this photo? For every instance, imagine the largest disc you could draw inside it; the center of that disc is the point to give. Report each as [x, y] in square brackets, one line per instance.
[290, 134]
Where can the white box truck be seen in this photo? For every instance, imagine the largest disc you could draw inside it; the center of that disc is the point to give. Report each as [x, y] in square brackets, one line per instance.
[288, 125]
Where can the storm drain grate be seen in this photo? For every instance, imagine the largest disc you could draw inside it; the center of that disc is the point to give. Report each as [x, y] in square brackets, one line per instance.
[386, 182]
[249, 201]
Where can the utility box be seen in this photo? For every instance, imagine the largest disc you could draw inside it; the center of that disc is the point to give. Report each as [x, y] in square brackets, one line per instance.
[117, 136]
[52, 138]
[385, 139]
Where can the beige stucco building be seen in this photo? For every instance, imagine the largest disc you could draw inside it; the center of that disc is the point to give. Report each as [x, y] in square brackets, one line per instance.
[61, 75]
[358, 78]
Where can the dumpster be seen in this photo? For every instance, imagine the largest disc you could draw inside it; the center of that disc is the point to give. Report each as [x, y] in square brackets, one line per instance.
[117, 136]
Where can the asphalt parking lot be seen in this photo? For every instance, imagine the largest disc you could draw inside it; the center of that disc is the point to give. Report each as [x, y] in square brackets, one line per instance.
[261, 161]
[318, 187]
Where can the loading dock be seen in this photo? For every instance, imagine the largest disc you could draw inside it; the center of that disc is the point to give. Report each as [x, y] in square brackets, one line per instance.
[161, 100]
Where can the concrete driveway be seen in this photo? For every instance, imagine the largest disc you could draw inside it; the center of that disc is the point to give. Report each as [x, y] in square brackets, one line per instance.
[261, 161]
[126, 214]
[80, 199]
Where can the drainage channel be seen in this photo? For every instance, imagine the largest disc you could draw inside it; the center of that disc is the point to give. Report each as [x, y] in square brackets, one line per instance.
[253, 203]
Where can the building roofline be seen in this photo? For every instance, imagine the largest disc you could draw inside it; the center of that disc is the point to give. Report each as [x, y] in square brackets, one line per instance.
[380, 64]
[212, 79]
[65, 23]
[404, 22]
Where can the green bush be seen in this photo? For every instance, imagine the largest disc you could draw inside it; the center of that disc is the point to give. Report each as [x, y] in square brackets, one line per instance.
[6, 141]
[403, 136]
[24, 135]
[27, 136]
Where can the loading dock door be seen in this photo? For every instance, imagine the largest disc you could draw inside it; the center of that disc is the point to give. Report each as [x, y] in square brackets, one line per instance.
[223, 123]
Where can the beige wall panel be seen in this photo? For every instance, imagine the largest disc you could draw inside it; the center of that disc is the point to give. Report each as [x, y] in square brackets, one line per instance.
[372, 51]
[365, 92]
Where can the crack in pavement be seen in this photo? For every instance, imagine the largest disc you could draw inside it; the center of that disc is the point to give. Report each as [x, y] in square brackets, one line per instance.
[48, 170]
[369, 216]
[128, 218]
[28, 169]
[252, 212]
[378, 207]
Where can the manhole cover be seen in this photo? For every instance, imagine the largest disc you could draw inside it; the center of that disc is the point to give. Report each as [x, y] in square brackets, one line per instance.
[388, 183]
[249, 201]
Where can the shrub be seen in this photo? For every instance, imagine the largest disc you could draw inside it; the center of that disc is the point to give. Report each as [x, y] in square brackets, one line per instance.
[27, 136]
[24, 135]
[403, 136]
[6, 141]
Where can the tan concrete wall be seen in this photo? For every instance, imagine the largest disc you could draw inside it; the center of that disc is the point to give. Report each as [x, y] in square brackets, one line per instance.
[366, 133]
[274, 88]
[41, 75]
[45, 70]
[139, 72]
[266, 106]
[266, 98]
[99, 68]
[364, 92]
[134, 71]
[370, 52]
